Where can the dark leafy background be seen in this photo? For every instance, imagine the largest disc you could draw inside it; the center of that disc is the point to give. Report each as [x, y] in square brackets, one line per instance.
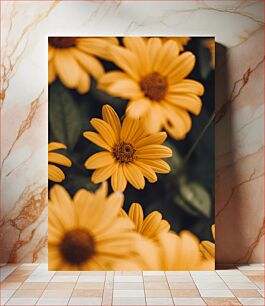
[185, 197]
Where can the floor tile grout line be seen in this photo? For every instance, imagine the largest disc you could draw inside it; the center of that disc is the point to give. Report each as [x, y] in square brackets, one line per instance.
[73, 289]
[113, 282]
[209, 289]
[69, 298]
[232, 289]
[144, 289]
[169, 289]
[102, 295]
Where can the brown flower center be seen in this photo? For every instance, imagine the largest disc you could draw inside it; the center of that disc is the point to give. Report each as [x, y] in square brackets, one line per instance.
[124, 152]
[62, 42]
[77, 246]
[154, 86]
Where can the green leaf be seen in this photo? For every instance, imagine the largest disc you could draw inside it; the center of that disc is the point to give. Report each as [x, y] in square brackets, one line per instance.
[64, 116]
[179, 201]
[103, 97]
[175, 162]
[195, 198]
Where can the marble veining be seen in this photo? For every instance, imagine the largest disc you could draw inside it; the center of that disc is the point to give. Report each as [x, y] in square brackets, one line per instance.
[237, 25]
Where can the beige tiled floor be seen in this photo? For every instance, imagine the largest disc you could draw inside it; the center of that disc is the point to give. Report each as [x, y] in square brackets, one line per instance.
[33, 284]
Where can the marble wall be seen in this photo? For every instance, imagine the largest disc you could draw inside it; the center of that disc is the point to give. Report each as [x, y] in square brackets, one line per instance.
[237, 25]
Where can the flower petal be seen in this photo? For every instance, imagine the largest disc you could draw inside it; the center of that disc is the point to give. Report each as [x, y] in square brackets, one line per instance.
[151, 224]
[102, 174]
[108, 214]
[84, 82]
[207, 249]
[61, 206]
[110, 116]
[157, 138]
[167, 53]
[55, 174]
[136, 214]
[55, 145]
[189, 102]
[169, 244]
[105, 131]
[138, 108]
[154, 118]
[97, 139]
[187, 86]
[110, 77]
[177, 122]
[189, 256]
[98, 46]
[154, 151]
[51, 52]
[60, 196]
[159, 165]
[89, 63]
[153, 47]
[213, 231]
[130, 127]
[183, 66]
[118, 180]
[51, 72]
[126, 60]
[67, 68]
[147, 171]
[99, 160]
[134, 175]
[59, 159]
[138, 46]
[125, 88]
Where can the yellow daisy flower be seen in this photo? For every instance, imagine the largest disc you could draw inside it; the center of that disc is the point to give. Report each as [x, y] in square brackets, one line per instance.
[130, 153]
[181, 41]
[207, 247]
[55, 173]
[182, 252]
[150, 226]
[85, 233]
[153, 79]
[72, 59]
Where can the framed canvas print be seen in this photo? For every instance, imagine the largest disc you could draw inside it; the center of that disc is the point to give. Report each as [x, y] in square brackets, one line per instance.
[131, 153]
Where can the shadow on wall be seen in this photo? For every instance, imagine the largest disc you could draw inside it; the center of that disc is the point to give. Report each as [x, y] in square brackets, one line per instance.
[225, 146]
[221, 107]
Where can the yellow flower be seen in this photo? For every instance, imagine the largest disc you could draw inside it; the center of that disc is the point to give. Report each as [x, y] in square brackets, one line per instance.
[181, 41]
[207, 247]
[130, 153]
[154, 81]
[54, 173]
[85, 233]
[72, 59]
[182, 252]
[150, 226]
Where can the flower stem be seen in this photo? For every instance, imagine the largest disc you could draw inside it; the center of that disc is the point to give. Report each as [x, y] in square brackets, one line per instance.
[193, 147]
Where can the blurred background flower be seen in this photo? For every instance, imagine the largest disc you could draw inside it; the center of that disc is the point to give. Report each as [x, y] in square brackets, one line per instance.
[154, 81]
[181, 41]
[182, 252]
[87, 233]
[150, 226]
[73, 60]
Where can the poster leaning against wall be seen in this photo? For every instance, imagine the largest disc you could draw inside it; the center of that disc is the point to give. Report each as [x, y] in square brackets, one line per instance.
[131, 153]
